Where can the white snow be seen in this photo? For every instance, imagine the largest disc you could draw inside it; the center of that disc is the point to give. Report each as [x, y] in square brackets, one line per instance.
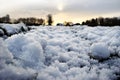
[99, 51]
[61, 53]
[1, 32]
[4, 52]
[13, 28]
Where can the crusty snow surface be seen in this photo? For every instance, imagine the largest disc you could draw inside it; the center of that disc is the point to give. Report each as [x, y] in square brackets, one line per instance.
[62, 53]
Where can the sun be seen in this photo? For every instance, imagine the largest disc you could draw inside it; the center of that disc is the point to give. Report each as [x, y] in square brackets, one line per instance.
[60, 7]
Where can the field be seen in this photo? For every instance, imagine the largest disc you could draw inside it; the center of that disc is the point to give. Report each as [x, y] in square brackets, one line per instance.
[60, 53]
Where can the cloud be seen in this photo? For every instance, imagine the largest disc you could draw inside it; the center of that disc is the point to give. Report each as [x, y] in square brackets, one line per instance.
[95, 6]
[71, 7]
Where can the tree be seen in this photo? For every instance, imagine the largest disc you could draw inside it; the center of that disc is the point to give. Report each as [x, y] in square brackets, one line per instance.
[49, 19]
[115, 21]
[68, 23]
[5, 19]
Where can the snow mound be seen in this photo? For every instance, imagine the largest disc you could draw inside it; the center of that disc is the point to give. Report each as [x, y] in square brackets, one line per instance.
[99, 51]
[11, 29]
[29, 50]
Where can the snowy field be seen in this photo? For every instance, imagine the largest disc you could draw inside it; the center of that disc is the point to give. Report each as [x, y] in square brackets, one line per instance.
[62, 53]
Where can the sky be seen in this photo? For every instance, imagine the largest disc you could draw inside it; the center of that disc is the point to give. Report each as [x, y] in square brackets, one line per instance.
[62, 10]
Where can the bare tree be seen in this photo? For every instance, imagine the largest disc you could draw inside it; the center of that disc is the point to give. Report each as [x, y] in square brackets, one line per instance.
[49, 19]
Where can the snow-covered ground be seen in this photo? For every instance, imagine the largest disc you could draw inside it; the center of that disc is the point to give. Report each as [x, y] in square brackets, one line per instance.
[62, 53]
[7, 30]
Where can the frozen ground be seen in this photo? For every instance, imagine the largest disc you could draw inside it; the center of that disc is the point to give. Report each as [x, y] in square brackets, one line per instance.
[62, 53]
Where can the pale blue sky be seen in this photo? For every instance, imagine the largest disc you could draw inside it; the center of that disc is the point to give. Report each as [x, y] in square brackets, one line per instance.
[62, 10]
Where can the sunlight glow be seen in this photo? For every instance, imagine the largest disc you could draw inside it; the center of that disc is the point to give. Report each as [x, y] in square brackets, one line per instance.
[60, 7]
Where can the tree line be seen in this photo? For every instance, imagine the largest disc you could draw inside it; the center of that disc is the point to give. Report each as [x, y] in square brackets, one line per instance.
[39, 21]
[103, 22]
[28, 21]
[115, 21]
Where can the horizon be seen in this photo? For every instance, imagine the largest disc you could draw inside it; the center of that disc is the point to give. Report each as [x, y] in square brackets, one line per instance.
[75, 11]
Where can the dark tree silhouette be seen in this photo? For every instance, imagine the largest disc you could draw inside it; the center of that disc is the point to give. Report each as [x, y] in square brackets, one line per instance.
[28, 21]
[5, 19]
[103, 22]
[49, 19]
[68, 23]
[31, 21]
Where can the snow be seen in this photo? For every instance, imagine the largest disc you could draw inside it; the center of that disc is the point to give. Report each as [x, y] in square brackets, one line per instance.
[26, 48]
[13, 28]
[4, 52]
[61, 53]
[100, 51]
[1, 32]
[7, 68]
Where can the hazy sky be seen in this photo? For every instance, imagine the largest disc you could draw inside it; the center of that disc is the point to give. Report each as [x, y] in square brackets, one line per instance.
[62, 10]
